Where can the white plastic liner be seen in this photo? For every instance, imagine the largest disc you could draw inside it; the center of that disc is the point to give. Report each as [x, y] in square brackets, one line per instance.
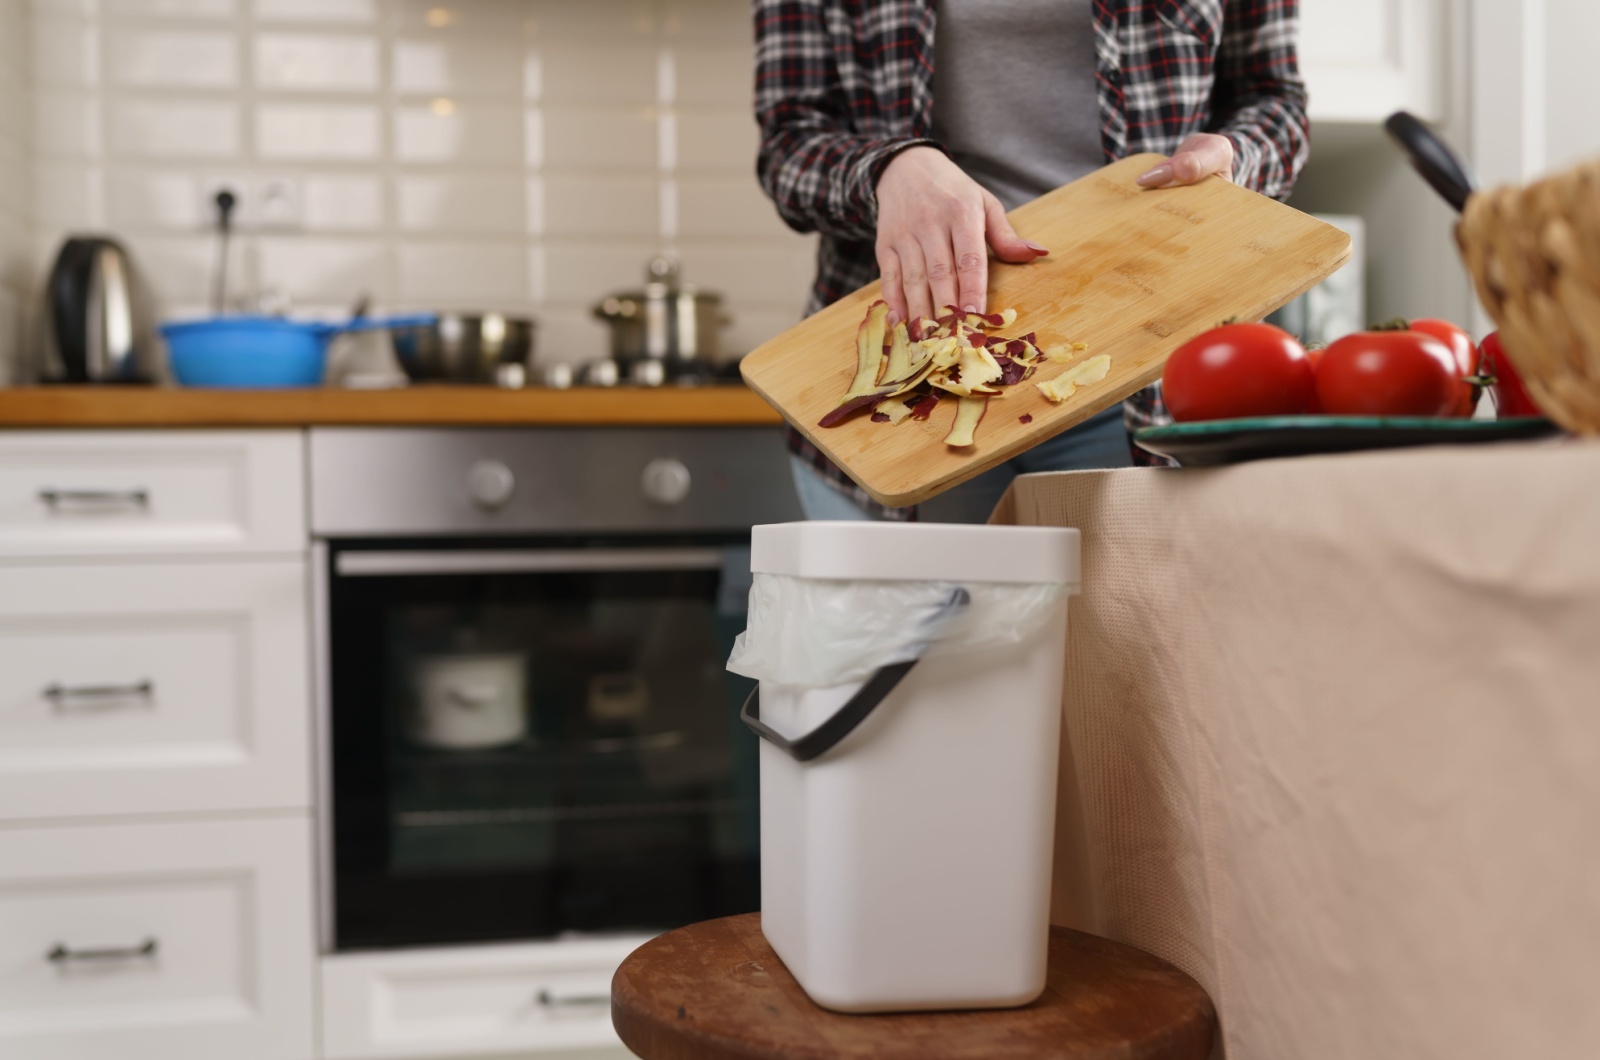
[821, 632]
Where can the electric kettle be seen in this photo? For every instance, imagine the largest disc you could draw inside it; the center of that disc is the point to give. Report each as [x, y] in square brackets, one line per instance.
[96, 320]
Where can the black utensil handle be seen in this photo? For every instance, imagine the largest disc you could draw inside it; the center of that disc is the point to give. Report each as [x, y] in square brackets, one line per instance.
[1444, 171]
[844, 721]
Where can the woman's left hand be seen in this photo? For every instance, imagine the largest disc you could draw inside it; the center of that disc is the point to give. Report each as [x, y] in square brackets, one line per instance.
[1199, 156]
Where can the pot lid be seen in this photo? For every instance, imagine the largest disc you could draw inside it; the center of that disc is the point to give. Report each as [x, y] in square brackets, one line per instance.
[661, 284]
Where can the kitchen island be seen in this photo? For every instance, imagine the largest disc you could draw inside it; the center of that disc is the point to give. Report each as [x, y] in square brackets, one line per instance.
[1331, 737]
[422, 406]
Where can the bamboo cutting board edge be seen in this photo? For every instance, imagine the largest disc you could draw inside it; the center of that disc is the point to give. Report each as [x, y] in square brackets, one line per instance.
[1318, 249]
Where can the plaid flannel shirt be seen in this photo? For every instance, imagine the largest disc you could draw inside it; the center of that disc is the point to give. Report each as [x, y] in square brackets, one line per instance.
[844, 85]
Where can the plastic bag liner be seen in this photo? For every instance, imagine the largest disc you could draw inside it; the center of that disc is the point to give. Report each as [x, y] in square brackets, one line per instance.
[822, 632]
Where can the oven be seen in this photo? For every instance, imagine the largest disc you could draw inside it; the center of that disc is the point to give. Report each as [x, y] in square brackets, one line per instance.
[527, 730]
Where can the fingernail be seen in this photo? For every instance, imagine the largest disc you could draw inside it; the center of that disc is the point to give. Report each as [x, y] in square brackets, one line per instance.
[1030, 244]
[1157, 176]
[969, 309]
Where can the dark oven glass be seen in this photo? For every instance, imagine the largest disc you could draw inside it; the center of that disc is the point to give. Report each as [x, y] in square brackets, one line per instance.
[538, 737]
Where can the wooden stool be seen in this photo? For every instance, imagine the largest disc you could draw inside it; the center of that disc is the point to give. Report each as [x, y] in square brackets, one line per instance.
[716, 991]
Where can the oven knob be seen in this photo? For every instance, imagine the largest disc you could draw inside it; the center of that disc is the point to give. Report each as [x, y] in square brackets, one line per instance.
[490, 483]
[665, 481]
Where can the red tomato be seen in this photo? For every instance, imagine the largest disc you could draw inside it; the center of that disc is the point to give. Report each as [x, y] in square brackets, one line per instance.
[1466, 355]
[1389, 373]
[1238, 370]
[1510, 396]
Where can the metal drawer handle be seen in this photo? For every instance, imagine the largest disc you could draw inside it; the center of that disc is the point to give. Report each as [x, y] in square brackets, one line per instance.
[60, 695]
[59, 954]
[552, 1000]
[137, 498]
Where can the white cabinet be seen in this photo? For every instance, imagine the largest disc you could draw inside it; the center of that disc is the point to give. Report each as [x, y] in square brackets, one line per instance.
[550, 1000]
[157, 940]
[141, 492]
[153, 688]
[1364, 59]
[154, 660]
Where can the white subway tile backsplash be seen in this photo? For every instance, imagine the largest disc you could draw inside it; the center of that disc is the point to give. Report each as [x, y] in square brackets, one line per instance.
[570, 336]
[335, 203]
[169, 8]
[590, 138]
[466, 134]
[750, 326]
[717, 140]
[700, 20]
[181, 269]
[607, 20]
[719, 77]
[771, 272]
[344, 11]
[594, 74]
[66, 52]
[467, 204]
[144, 199]
[483, 275]
[66, 124]
[443, 64]
[322, 271]
[312, 132]
[494, 18]
[528, 155]
[172, 58]
[586, 273]
[316, 62]
[725, 207]
[601, 206]
[173, 129]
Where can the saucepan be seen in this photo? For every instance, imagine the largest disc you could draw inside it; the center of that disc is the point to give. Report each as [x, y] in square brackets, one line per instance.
[261, 351]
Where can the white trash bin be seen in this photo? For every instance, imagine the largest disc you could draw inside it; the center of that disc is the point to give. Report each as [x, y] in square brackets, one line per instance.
[907, 865]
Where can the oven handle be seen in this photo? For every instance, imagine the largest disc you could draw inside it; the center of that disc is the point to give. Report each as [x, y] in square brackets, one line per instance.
[525, 561]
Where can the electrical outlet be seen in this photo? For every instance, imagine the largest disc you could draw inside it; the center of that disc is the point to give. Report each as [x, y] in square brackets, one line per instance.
[211, 187]
[277, 203]
[260, 203]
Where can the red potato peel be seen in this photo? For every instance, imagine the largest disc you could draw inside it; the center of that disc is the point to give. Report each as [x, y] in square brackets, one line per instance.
[922, 359]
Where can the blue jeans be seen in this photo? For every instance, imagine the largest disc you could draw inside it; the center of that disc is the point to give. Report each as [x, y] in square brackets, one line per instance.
[1098, 442]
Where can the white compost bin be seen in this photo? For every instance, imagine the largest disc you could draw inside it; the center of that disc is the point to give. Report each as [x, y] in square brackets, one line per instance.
[907, 866]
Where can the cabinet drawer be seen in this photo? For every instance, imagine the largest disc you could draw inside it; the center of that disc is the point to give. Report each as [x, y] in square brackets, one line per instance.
[546, 999]
[134, 492]
[183, 941]
[153, 688]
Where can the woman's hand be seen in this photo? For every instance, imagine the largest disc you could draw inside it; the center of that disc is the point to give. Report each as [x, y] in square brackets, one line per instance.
[934, 226]
[1199, 156]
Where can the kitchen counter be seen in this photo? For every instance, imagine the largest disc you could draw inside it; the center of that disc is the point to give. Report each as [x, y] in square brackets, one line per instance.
[452, 406]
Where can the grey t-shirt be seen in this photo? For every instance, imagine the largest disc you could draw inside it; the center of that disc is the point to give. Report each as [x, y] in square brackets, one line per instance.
[1014, 98]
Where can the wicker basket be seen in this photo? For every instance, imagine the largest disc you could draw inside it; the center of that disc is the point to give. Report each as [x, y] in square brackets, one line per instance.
[1534, 255]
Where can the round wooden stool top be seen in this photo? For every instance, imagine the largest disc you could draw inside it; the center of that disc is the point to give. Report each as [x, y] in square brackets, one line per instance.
[716, 991]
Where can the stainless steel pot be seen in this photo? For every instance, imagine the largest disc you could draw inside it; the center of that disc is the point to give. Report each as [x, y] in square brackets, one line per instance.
[667, 321]
[464, 347]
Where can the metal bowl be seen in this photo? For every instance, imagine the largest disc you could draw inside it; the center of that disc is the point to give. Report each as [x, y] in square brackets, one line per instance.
[464, 347]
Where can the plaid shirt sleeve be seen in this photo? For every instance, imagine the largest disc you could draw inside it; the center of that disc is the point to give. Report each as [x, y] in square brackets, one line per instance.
[823, 148]
[1259, 99]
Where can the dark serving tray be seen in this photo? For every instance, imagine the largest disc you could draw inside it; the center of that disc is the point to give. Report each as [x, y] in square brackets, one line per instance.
[1210, 443]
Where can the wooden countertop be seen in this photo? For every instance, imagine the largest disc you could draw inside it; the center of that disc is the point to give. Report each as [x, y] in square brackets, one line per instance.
[437, 406]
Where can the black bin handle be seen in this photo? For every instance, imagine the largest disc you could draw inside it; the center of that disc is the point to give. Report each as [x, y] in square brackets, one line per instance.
[826, 736]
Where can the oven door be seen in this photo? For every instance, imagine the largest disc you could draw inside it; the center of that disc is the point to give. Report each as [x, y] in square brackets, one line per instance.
[536, 737]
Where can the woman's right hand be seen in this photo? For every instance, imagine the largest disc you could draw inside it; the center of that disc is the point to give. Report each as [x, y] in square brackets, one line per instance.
[934, 223]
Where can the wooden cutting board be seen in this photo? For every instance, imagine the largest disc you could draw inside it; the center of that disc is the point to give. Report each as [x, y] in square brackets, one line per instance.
[1133, 273]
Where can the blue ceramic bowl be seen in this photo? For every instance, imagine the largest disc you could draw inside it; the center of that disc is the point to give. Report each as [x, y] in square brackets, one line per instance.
[259, 352]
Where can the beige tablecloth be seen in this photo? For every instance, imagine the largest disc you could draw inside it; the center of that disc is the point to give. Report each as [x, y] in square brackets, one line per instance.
[1332, 743]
